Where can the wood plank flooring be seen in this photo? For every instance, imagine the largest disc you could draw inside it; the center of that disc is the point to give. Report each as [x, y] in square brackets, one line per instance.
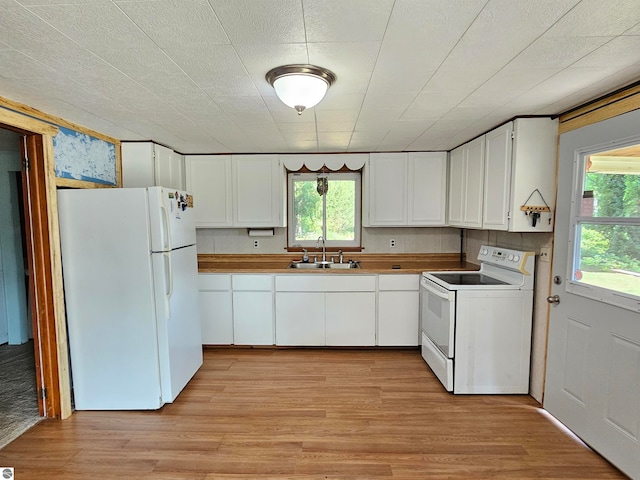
[310, 414]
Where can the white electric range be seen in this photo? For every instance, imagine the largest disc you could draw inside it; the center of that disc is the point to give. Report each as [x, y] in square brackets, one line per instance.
[476, 325]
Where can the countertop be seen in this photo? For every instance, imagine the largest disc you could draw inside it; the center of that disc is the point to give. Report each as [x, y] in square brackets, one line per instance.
[369, 263]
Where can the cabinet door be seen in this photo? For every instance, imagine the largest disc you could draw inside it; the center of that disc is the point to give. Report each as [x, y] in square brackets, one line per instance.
[253, 318]
[177, 171]
[497, 178]
[137, 164]
[456, 185]
[216, 318]
[162, 160]
[398, 318]
[258, 192]
[300, 318]
[387, 189]
[427, 188]
[350, 319]
[209, 180]
[473, 184]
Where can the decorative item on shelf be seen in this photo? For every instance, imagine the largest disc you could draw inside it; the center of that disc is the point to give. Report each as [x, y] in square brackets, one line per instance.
[300, 86]
[533, 211]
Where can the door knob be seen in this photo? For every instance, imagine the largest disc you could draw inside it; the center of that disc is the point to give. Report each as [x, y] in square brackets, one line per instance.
[555, 299]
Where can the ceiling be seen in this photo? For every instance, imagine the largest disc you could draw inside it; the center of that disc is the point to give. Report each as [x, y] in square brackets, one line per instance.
[411, 74]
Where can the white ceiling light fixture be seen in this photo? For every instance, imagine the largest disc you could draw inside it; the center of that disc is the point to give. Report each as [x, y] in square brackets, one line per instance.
[300, 86]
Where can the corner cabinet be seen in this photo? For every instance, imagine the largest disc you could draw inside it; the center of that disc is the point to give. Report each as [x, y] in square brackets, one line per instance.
[494, 175]
[405, 189]
[147, 164]
[237, 190]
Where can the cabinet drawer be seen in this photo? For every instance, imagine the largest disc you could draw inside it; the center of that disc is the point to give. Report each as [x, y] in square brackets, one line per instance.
[399, 282]
[214, 281]
[252, 282]
[326, 283]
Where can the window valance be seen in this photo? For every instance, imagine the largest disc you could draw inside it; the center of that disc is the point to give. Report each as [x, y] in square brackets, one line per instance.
[333, 162]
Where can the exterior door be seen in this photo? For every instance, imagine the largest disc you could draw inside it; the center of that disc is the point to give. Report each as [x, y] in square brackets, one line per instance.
[593, 361]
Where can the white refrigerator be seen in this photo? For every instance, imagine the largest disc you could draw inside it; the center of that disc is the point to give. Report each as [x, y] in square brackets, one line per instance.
[130, 280]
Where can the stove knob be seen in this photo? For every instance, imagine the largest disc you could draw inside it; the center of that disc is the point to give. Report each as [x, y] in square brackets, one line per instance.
[510, 258]
[516, 258]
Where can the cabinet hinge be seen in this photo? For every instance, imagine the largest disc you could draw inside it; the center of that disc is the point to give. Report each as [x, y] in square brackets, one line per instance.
[25, 162]
[508, 215]
[43, 393]
[513, 134]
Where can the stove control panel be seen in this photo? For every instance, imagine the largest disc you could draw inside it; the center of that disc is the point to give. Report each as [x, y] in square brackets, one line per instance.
[506, 258]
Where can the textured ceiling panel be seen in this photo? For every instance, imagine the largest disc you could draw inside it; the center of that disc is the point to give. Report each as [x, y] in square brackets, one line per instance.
[411, 74]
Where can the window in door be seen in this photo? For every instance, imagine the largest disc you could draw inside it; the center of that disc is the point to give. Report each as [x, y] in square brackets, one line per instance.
[606, 223]
[327, 205]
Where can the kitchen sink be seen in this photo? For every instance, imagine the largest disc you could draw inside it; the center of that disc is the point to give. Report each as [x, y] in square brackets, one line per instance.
[329, 265]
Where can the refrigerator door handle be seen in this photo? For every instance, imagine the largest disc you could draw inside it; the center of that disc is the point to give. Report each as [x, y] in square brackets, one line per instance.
[166, 234]
[168, 271]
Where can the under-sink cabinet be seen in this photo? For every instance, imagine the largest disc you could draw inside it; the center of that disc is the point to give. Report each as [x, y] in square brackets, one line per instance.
[334, 310]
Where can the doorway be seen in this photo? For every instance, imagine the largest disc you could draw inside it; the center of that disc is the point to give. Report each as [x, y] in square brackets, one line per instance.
[593, 361]
[18, 386]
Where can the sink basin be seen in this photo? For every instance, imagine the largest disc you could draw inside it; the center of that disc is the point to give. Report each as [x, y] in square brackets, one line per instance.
[304, 265]
[316, 265]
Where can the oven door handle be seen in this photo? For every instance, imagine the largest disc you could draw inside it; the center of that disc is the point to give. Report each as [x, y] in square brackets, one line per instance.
[444, 295]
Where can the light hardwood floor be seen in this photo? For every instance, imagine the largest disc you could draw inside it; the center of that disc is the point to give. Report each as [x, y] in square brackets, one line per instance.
[310, 414]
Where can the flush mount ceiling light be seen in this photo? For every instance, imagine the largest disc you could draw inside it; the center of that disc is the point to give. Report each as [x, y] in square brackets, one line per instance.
[300, 86]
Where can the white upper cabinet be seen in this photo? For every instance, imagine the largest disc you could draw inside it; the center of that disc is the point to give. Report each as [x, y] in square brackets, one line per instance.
[405, 189]
[510, 167]
[427, 188]
[258, 191]
[466, 184]
[209, 180]
[520, 171]
[147, 164]
[237, 190]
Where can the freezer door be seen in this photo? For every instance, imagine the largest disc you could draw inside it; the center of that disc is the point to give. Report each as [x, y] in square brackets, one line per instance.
[178, 318]
[171, 219]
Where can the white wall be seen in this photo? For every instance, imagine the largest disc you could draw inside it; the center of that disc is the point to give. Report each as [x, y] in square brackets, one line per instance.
[374, 240]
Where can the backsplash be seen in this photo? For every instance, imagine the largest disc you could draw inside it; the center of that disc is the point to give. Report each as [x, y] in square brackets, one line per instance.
[374, 240]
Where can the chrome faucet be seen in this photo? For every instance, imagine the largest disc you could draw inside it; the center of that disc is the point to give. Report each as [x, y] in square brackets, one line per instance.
[324, 252]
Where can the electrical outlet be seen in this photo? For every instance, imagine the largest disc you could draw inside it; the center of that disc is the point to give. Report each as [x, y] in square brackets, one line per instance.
[545, 254]
[392, 243]
[256, 244]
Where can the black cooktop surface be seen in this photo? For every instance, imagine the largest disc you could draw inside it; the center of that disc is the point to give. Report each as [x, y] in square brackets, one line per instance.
[468, 279]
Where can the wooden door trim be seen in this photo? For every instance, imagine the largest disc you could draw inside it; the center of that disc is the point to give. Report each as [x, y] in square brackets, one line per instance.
[47, 300]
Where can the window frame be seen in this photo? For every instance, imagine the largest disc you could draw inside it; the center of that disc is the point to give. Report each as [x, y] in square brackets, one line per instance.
[354, 245]
[577, 287]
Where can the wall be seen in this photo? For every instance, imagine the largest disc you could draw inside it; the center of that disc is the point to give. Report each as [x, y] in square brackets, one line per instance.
[13, 300]
[533, 242]
[374, 240]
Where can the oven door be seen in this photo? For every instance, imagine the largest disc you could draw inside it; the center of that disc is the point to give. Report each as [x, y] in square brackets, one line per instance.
[437, 315]
[437, 322]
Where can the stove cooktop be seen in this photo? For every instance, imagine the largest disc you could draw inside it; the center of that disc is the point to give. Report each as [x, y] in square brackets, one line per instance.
[468, 279]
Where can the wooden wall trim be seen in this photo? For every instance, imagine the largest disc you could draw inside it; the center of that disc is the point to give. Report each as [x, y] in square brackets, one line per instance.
[617, 103]
[22, 122]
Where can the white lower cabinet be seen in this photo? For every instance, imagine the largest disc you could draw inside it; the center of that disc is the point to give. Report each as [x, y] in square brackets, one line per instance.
[398, 310]
[315, 310]
[216, 312]
[350, 319]
[300, 318]
[253, 309]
